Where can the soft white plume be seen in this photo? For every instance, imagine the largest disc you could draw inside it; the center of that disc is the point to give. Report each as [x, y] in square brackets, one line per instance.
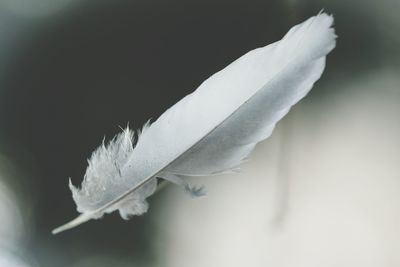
[210, 131]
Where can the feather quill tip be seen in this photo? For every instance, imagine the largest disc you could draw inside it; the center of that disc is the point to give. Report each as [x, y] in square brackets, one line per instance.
[72, 224]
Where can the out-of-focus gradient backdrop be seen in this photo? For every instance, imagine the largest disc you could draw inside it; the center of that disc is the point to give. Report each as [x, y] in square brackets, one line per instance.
[324, 190]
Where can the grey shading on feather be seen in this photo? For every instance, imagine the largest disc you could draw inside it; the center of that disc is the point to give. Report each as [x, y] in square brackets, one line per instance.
[193, 190]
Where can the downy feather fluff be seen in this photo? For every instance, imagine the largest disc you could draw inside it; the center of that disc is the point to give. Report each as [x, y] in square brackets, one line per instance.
[209, 132]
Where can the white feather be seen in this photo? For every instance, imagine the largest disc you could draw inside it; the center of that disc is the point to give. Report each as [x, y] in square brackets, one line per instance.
[210, 131]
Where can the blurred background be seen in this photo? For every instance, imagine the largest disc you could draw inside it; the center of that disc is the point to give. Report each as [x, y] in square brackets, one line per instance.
[324, 190]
